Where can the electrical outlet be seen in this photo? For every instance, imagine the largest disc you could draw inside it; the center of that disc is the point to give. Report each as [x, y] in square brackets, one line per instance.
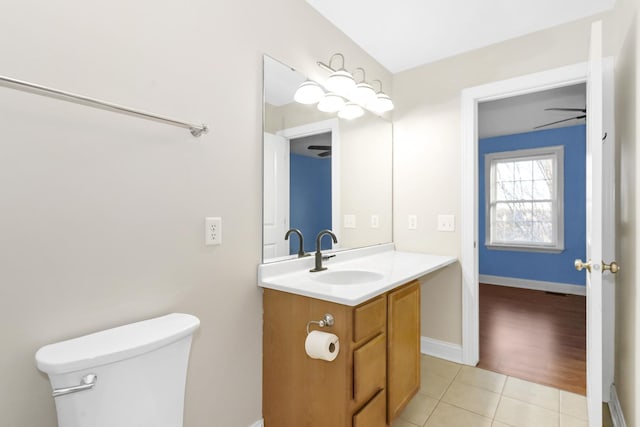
[375, 221]
[349, 221]
[413, 222]
[212, 231]
[446, 223]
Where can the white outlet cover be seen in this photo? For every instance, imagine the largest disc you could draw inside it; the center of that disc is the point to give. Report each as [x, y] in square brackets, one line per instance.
[212, 231]
[375, 221]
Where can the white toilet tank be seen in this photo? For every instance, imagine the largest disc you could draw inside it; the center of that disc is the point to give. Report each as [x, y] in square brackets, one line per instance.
[129, 376]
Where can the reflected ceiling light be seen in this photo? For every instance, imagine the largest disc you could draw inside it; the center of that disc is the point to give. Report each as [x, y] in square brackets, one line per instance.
[350, 111]
[308, 92]
[340, 81]
[382, 102]
[363, 93]
[331, 103]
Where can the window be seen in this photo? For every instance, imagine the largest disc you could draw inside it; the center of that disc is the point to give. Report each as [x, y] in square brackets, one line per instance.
[524, 199]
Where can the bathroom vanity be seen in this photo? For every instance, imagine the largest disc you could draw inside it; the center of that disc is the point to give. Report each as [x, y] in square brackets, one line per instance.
[374, 298]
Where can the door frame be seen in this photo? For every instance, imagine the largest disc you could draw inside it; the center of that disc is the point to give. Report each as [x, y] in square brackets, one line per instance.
[329, 125]
[470, 97]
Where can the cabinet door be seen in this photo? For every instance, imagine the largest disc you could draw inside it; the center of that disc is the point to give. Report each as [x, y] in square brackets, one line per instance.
[403, 332]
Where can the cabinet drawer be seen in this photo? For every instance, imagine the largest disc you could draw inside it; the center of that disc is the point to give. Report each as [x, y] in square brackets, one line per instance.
[370, 368]
[369, 319]
[373, 414]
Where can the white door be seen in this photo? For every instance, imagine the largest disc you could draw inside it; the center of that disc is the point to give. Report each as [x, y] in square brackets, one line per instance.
[276, 196]
[594, 233]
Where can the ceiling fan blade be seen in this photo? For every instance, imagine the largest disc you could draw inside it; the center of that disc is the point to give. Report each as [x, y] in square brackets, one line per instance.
[583, 110]
[560, 121]
[325, 154]
[319, 147]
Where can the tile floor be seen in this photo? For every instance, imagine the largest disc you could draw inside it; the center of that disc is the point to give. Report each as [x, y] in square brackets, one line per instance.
[455, 395]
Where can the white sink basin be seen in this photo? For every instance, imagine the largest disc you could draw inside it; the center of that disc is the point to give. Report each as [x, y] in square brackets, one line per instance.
[346, 277]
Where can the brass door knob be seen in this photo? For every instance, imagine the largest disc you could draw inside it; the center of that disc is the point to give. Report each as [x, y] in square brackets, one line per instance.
[582, 265]
[613, 267]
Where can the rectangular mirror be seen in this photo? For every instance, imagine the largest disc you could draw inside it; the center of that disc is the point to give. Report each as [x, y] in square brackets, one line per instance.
[321, 172]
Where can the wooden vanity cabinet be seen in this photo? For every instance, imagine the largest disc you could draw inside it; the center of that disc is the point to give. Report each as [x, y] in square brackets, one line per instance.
[368, 383]
[403, 359]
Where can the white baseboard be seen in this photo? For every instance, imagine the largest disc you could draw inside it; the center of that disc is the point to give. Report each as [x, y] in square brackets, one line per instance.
[616, 410]
[441, 349]
[537, 285]
[259, 423]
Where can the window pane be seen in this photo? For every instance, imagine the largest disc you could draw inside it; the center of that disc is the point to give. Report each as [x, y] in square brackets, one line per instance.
[504, 190]
[543, 169]
[542, 189]
[504, 171]
[498, 231]
[520, 232]
[503, 212]
[523, 190]
[542, 232]
[543, 211]
[523, 170]
[522, 211]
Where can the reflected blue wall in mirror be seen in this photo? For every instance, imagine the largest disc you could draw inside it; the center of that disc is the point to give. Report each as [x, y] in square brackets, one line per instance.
[310, 196]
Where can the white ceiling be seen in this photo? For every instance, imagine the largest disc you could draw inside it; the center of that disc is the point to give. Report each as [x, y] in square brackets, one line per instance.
[519, 114]
[403, 34]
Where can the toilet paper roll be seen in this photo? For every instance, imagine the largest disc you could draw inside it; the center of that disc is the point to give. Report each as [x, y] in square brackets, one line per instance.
[322, 345]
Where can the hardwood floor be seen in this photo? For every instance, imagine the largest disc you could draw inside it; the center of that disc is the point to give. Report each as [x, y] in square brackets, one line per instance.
[534, 335]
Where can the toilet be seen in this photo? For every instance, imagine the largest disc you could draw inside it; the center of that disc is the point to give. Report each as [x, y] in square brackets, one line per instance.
[130, 376]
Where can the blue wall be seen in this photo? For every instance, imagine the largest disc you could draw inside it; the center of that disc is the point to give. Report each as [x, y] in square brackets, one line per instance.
[546, 267]
[310, 200]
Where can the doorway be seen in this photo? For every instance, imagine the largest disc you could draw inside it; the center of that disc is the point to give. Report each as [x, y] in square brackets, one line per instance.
[559, 77]
[532, 217]
[310, 188]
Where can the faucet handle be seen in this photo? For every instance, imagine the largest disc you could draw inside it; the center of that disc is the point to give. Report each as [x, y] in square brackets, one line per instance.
[326, 257]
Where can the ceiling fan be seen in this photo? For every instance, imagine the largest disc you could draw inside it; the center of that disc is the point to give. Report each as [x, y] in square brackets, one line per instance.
[578, 117]
[326, 150]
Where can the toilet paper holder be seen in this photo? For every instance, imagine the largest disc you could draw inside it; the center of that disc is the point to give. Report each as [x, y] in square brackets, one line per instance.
[327, 320]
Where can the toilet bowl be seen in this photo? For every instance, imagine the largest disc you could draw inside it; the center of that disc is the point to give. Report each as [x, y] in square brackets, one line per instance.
[129, 376]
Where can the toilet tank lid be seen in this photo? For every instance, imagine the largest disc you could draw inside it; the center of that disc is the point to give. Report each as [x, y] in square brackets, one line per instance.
[115, 344]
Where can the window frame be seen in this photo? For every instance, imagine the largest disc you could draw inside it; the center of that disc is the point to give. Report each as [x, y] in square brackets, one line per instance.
[556, 153]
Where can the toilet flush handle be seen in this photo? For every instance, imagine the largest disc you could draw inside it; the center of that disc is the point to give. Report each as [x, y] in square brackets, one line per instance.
[87, 382]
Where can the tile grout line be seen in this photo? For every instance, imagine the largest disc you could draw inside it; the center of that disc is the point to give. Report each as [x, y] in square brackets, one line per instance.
[445, 392]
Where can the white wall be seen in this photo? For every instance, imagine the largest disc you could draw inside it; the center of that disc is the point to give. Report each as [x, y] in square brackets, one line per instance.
[427, 165]
[427, 147]
[627, 108]
[102, 214]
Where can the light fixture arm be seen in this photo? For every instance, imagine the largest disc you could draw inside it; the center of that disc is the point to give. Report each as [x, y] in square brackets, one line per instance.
[329, 68]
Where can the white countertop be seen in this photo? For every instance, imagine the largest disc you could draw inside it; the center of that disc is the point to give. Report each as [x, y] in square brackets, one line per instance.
[395, 267]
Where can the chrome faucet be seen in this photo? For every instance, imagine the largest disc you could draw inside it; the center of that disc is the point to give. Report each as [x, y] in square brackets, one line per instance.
[300, 241]
[319, 266]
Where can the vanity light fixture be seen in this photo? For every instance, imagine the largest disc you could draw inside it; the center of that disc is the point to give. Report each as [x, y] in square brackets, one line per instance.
[309, 92]
[340, 81]
[343, 95]
[382, 103]
[363, 93]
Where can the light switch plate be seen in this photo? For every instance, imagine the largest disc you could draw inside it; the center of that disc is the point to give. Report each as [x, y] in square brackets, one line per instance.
[375, 221]
[349, 221]
[413, 222]
[446, 223]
